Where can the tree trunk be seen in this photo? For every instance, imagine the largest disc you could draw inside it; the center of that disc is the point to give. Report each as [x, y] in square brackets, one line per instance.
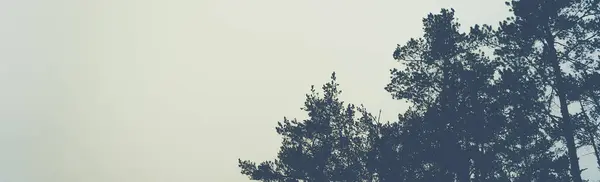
[567, 126]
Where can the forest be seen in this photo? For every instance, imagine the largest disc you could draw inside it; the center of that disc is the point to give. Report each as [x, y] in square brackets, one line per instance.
[511, 102]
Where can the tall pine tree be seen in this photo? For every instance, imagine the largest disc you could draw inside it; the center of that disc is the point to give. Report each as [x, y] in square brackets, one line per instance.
[481, 117]
[554, 35]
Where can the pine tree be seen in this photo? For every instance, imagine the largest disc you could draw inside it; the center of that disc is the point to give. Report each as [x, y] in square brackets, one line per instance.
[552, 34]
[474, 116]
[331, 145]
[481, 117]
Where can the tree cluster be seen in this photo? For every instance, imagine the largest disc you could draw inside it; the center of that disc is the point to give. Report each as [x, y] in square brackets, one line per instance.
[509, 103]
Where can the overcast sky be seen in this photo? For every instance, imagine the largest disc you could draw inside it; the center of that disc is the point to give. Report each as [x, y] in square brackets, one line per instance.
[174, 90]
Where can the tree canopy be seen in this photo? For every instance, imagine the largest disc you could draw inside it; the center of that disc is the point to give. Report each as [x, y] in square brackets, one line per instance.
[508, 103]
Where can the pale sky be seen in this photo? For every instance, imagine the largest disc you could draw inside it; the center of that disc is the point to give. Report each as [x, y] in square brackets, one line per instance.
[173, 90]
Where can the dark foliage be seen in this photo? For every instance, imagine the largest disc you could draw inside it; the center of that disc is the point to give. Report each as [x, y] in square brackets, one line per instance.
[332, 145]
[483, 106]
